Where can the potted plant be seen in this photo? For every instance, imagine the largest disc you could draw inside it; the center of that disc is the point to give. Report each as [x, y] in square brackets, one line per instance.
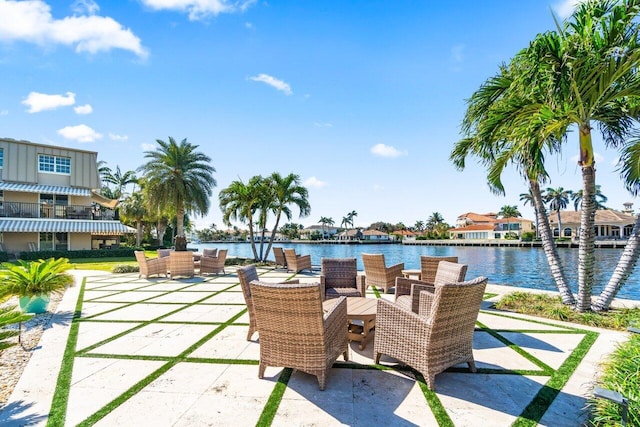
[34, 282]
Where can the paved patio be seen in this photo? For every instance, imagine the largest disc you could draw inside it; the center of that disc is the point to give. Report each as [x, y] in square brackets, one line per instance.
[165, 352]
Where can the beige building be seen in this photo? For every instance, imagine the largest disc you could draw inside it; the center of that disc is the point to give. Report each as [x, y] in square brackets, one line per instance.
[609, 224]
[487, 226]
[47, 202]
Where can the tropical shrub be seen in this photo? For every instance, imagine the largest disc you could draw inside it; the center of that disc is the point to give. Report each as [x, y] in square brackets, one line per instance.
[10, 316]
[87, 253]
[29, 279]
[125, 268]
[528, 236]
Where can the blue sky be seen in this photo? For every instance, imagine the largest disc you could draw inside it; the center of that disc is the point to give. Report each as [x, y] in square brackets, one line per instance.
[362, 99]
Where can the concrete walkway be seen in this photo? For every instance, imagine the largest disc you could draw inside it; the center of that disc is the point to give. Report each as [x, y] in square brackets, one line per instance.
[164, 352]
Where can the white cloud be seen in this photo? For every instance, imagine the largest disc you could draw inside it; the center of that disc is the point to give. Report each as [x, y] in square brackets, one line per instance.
[387, 151]
[457, 53]
[200, 9]
[323, 125]
[148, 147]
[85, 7]
[80, 133]
[116, 137]
[31, 21]
[314, 182]
[565, 8]
[273, 82]
[37, 101]
[83, 109]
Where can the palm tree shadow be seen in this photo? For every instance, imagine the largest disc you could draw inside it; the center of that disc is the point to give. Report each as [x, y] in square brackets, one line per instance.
[17, 414]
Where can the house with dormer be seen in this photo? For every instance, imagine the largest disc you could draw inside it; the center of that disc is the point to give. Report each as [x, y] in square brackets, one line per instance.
[488, 226]
[48, 200]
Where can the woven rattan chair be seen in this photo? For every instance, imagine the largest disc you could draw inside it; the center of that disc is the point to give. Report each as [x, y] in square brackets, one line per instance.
[339, 277]
[429, 266]
[213, 264]
[408, 290]
[377, 274]
[210, 252]
[281, 261]
[246, 275]
[430, 344]
[281, 309]
[150, 266]
[181, 264]
[295, 262]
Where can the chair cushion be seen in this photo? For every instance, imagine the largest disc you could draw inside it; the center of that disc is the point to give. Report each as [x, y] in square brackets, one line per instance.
[163, 253]
[405, 301]
[339, 292]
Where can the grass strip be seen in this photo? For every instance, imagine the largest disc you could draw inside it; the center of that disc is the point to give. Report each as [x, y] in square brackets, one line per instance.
[539, 322]
[546, 368]
[437, 409]
[271, 407]
[534, 411]
[58, 411]
[140, 385]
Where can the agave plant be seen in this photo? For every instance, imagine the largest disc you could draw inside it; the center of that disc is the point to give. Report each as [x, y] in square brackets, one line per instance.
[29, 279]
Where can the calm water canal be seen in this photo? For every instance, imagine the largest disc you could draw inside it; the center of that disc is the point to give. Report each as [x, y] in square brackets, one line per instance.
[522, 267]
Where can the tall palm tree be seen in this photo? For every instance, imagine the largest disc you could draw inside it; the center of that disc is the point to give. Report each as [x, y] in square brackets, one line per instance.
[419, 226]
[600, 199]
[287, 191]
[344, 224]
[324, 221]
[630, 171]
[180, 176]
[590, 73]
[507, 212]
[558, 199]
[239, 202]
[350, 216]
[119, 180]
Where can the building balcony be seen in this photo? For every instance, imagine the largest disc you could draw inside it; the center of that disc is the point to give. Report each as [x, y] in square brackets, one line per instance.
[45, 210]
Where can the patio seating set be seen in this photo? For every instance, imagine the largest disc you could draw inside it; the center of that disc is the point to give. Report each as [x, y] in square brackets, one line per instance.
[172, 264]
[429, 326]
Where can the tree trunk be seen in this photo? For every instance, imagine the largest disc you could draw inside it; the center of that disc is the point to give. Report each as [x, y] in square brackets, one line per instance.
[162, 228]
[549, 245]
[253, 243]
[623, 269]
[559, 224]
[273, 235]
[586, 252]
[138, 233]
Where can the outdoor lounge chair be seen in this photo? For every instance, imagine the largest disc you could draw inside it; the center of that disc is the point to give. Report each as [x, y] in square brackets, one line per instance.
[181, 264]
[150, 266]
[283, 309]
[246, 275]
[429, 266]
[213, 264]
[377, 274]
[281, 261]
[408, 290]
[295, 262]
[339, 277]
[438, 340]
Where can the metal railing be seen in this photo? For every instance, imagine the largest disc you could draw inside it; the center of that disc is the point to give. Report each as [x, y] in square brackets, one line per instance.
[47, 210]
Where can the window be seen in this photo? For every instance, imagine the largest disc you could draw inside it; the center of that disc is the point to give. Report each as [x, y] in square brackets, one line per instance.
[54, 241]
[1, 157]
[54, 164]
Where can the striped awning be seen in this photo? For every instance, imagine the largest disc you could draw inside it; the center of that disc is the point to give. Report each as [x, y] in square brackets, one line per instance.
[46, 189]
[33, 225]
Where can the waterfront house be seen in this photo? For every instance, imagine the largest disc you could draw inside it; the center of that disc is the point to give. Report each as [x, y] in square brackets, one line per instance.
[48, 202]
[326, 231]
[352, 234]
[375, 235]
[488, 226]
[610, 224]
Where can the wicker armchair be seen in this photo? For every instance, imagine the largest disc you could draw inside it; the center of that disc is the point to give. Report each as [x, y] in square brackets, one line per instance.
[246, 275]
[408, 290]
[377, 274]
[152, 266]
[281, 309]
[429, 266]
[431, 344]
[213, 264]
[210, 252]
[281, 261]
[295, 262]
[339, 277]
[181, 264]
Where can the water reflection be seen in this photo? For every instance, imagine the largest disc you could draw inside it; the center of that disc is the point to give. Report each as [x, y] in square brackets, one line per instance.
[523, 267]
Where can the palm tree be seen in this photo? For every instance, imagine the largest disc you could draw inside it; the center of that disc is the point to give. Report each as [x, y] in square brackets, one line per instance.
[179, 176]
[287, 191]
[120, 180]
[558, 199]
[133, 209]
[350, 216]
[630, 171]
[507, 212]
[325, 221]
[600, 199]
[528, 199]
[419, 226]
[239, 202]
